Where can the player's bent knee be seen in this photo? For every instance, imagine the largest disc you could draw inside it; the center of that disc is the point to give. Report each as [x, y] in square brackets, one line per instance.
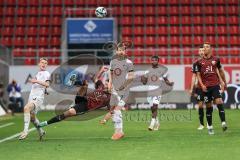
[72, 112]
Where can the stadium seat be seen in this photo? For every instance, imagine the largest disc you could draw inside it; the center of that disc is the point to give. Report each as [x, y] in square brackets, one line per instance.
[7, 41]
[197, 2]
[43, 53]
[33, 11]
[150, 2]
[196, 10]
[186, 40]
[208, 10]
[150, 41]
[7, 31]
[233, 2]
[32, 21]
[45, 2]
[139, 11]
[70, 3]
[163, 60]
[138, 20]
[173, 10]
[234, 29]
[45, 11]
[127, 11]
[161, 10]
[224, 60]
[186, 30]
[43, 42]
[173, 2]
[222, 40]
[162, 30]
[55, 52]
[174, 40]
[187, 60]
[221, 52]
[125, 2]
[186, 20]
[57, 2]
[18, 41]
[55, 41]
[221, 20]
[150, 11]
[209, 20]
[174, 20]
[186, 10]
[30, 53]
[221, 10]
[21, 21]
[17, 52]
[210, 30]
[162, 41]
[161, 2]
[234, 40]
[20, 31]
[150, 30]
[198, 40]
[138, 41]
[137, 60]
[32, 31]
[233, 10]
[126, 30]
[126, 20]
[29, 61]
[22, 11]
[56, 21]
[175, 60]
[197, 30]
[31, 42]
[197, 20]
[210, 39]
[9, 11]
[175, 30]
[43, 31]
[33, 3]
[43, 21]
[54, 61]
[209, 2]
[222, 30]
[138, 31]
[162, 20]
[235, 60]
[151, 20]
[186, 2]
[9, 21]
[233, 20]
[57, 11]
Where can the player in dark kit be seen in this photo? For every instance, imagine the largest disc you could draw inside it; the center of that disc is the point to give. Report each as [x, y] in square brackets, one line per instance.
[84, 102]
[210, 84]
[196, 90]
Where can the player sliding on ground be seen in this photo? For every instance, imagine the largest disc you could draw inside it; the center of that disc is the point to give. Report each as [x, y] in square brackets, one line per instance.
[84, 102]
[39, 84]
[210, 84]
[153, 76]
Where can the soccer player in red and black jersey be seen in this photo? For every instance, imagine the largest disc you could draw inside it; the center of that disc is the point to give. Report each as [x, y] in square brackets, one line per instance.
[197, 90]
[84, 102]
[210, 83]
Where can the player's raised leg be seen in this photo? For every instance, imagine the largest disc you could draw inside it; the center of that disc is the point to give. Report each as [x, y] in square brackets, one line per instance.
[36, 122]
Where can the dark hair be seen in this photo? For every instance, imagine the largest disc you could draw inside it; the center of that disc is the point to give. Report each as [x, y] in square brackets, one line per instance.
[98, 83]
[155, 57]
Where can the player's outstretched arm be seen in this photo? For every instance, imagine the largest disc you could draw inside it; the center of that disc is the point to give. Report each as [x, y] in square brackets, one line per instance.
[43, 83]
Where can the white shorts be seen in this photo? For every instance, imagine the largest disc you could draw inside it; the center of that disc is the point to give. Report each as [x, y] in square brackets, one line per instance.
[154, 100]
[37, 101]
[119, 98]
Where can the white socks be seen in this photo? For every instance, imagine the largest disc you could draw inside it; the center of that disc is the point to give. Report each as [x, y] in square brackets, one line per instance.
[35, 123]
[117, 120]
[153, 121]
[26, 121]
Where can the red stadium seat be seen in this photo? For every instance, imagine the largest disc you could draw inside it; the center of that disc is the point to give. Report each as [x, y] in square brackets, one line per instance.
[151, 20]
[221, 52]
[162, 10]
[162, 41]
[234, 40]
[150, 2]
[29, 61]
[150, 11]
[69, 3]
[210, 2]
[162, 20]
[173, 2]
[43, 42]
[197, 20]
[163, 60]
[56, 21]
[137, 60]
[55, 52]
[197, 2]
[44, 21]
[56, 31]
[210, 39]
[174, 20]
[127, 31]
[31, 42]
[7, 41]
[10, 11]
[7, 31]
[196, 10]
[57, 11]
[53, 61]
[22, 11]
[210, 30]
[150, 41]
[234, 2]
[175, 30]
[44, 31]
[198, 30]
[138, 20]
[127, 11]
[55, 41]
[162, 30]
[209, 20]
[57, 2]
[9, 21]
[46, 3]
[17, 52]
[138, 31]
[161, 2]
[20, 31]
[234, 29]
[138, 41]
[33, 3]
[32, 11]
[18, 42]
[186, 10]
[186, 20]
[187, 60]
[208, 10]
[222, 40]
[221, 10]
[235, 60]
[43, 53]
[32, 31]
[186, 30]
[221, 30]
[233, 10]
[138, 11]
[175, 40]
[151, 30]
[30, 53]
[224, 60]
[174, 10]
[45, 11]
[186, 40]
[221, 20]
[175, 60]
[186, 2]
[21, 21]
[126, 20]
[233, 20]
[198, 40]
[125, 2]
[32, 21]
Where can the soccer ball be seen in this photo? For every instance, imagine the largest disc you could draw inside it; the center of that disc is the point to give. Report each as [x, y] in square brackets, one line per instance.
[101, 12]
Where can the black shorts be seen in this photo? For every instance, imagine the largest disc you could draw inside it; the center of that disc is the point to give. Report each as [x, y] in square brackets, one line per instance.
[200, 94]
[81, 106]
[212, 93]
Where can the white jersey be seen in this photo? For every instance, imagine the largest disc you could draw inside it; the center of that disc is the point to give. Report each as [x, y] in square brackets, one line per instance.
[37, 89]
[155, 75]
[120, 69]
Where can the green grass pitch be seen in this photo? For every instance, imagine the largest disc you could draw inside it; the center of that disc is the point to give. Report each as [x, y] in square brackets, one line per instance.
[177, 139]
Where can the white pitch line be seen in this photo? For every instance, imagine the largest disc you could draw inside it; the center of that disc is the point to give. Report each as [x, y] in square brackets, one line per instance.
[7, 124]
[15, 135]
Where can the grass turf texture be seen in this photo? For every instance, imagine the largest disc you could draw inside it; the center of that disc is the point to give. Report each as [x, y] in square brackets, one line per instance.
[177, 139]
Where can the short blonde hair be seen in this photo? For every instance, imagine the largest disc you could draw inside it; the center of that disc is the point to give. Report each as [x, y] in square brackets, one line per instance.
[43, 58]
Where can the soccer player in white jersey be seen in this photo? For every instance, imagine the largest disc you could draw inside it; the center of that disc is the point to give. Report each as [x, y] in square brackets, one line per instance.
[39, 85]
[153, 76]
[120, 77]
